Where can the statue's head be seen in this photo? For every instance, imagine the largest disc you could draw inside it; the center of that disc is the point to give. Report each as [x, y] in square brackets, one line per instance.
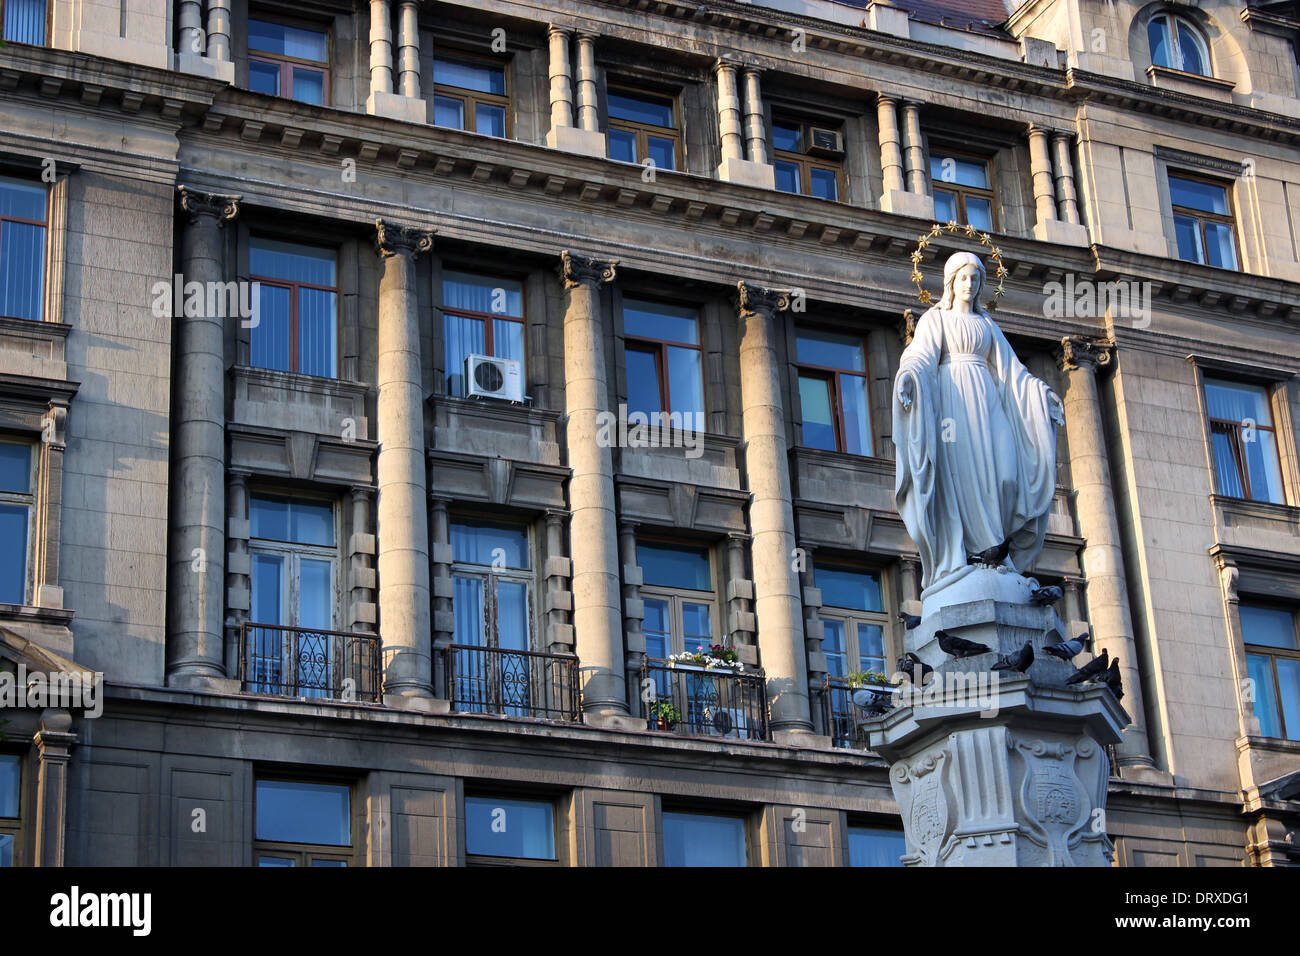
[952, 268]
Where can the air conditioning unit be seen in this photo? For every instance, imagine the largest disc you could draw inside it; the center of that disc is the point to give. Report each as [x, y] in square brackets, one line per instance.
[820, 141]
[490, 377]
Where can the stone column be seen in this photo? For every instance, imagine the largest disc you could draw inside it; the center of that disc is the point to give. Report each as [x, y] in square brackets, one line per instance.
[190, 17]
[47, 592]
[734, 167]
[634, 613]
[1066, 197]
[196, 536]
[239, 565]
[588, 119]
[1103, 559]
[381, 47]
[53, 746]
[219, 30]
[362, 576]
[597, 608]
[1040, 162]
[914, 152]
[733, 146]
[814, 634]
[755, 127]
[771, 515]
[891, 157]
[403, 524]
[408, 49]
[561, 84]
[444, 617]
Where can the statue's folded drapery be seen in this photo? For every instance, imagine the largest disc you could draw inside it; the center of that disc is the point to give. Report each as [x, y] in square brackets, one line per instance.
[976, 449]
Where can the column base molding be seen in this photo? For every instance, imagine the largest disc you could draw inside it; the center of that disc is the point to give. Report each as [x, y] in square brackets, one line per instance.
[746, 172]
[899, 202]
[223, 70]
[398, 107]
[1062, 233]
[571, 139]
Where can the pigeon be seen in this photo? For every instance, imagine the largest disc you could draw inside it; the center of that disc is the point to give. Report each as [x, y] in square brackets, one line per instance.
[1065, 650]
[1113, 680]
[1044, 596]
[959, 647]
[1091, 670]
[872, 701]
[1019, 661]
[910, 621]
[994, 556]
[907, 665]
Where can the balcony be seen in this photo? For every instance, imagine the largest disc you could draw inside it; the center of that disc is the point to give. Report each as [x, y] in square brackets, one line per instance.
[707, 702]
[306, 662]
[841, 718]
[492, 680]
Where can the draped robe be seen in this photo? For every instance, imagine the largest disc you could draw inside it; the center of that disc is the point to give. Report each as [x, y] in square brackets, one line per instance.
[976, 451]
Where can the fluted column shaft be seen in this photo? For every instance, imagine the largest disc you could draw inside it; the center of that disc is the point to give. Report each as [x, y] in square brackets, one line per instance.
[891, 156]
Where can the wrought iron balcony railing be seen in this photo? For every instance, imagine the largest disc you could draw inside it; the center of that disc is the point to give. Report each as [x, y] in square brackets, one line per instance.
[492, 680]
[841, 718]
[308, 662]
[706, 702]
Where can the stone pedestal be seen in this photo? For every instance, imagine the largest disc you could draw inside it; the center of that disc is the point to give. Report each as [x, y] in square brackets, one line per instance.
[997, 768]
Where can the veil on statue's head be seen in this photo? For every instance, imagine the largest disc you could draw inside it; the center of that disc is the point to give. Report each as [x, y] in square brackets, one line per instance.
[956, 262]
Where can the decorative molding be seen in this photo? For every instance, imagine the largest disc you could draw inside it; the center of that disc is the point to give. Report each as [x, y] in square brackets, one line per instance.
[392, 239]
[1179, 157]
[223, 206]
[753, 299]
[1080, 352]
[576, 269]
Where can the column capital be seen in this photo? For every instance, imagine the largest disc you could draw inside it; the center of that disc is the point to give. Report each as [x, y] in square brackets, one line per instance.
[753, 298]
[363, 491]
[393, 239]
[907, 326]
[576, 269]
[1081, 352]
[556, 516]
[728, 61]
[882, 97]
[221, 206]
[1033, 128]
[1065, 134]
[587, 36]
[554, 30]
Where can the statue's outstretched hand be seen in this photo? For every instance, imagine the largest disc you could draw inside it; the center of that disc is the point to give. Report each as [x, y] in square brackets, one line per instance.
[1056, 408]
[904, 391]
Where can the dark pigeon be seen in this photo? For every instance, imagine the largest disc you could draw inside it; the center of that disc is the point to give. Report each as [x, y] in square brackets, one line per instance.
[1065, 650]
[994, 556]
[907, 664]
[959, 647]
[1091, 670]
[910, 621]
[1044, 596]
[1113, 680]
[1019, 661]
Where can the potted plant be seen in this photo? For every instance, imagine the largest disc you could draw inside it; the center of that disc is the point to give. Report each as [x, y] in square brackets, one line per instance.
[710, 658]
[665, 713]
[872, 691]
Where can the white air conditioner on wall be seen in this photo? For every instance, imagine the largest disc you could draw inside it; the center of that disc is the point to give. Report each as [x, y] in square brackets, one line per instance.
[490, 377]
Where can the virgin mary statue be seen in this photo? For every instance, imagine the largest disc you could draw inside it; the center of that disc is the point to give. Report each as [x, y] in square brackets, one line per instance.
[976, 437]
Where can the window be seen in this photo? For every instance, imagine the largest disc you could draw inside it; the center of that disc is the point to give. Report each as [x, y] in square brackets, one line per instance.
[1178, 45]
[833, 391]
[643, 126]
[853, 614]
[703, 839]
[493, 584]
[294, 586]
[296, 329]
[288, 61]
[24, 21]
[1244, 441]
[962, 190]
[678, 595]
[1273, 663]
[481, 315]
[22, 248]
[500, 830]
[1203, 222]
[302, 824]
[16, 510]
[470, 94]
[876, 846]
[665, 371]
[806, 159]
[11, 807]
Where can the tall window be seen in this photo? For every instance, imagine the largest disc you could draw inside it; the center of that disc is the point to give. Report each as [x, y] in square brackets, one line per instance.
[481, 315]
[288, 61]
[833, 391]
[665, 366]
[501, 830]
[16, 509]
[295, 571]
[643, 126]
[807, 158]
[493, 584]
[1273, 662]
[1178, 45]
[297, 308]
[962, 189]
[470, 94]
[302, 824]
[24, 21]
[22, 248]
[1244, 440]
[876, 846]
[679, 598]
[853, 614]
[11, 805]
[705, 839]
[1203, 222]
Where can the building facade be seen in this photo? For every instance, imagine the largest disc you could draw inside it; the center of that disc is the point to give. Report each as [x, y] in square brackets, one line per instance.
[390, 391]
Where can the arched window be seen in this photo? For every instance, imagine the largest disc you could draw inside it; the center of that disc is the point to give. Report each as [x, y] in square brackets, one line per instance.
[1178, 45]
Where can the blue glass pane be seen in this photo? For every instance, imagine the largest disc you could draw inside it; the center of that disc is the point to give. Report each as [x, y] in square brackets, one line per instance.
[658, 643]
[962, 172]
[871, 648]
[521, 829]
[512, 616]
[269, 338]
[478, 293]
[22, 270]
[662, 151]
[657, 320]
[1188, 234]
[818, 419]
[483, 542]
[686, 383]
[282, 519]
[268, 601]
[317, 333]
[1161, 48]
[824, 184]
[470, 76]
[979, 213]
[317, 813]
[508, 339]
[638, 108]
[269, 518]
[697, 629]
[6, 850]
[1194, 194]
[694, 839]
[309, 86]
[787, 177]
[1221, 247]
[275, 861]
[15, 468]
[25, 21]
[857, 415]
[463, 337]
[1268, 627]
[287, 41]
[786, 136]
[622, 145]
[292, 262]
[1226, 469]
[1263, 466]
[490, 120]
[467, 603]
[674, 567]
[13, 556]
[1189, 49]
[329, 863]
[830, 350]
[643, 382]
[1288, 679]
[1260, 669]
[875, 846]
[833, 647]
[10, 783]
[848, 588]
[264, 77]
[945, 206]
[21, 199]
[448, 111]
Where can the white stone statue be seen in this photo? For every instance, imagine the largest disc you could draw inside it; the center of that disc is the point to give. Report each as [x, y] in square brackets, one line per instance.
[975, 435]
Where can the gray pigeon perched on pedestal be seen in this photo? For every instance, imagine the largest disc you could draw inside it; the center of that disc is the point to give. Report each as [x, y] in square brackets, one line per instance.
[910, 621]
[1091, 670]
[1019, 661]
[959, 647]
[994, 556]
[1045, 596]
[1113, 680]
[1066, 650]
[907, 664]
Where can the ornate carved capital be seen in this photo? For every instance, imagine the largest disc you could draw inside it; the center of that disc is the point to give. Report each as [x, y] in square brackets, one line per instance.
[1229, 575]
[393, 239]
[907, 326]
[224, 208]
[1080, 352]
[576, 269]
[757, 299]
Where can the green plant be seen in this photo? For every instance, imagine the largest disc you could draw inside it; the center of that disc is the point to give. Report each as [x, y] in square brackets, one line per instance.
[663, 709]
[859, 678]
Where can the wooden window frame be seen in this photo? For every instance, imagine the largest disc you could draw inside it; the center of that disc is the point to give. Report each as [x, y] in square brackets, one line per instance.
[470, 99]
[832, 374]
[642, 130]
[1272, 653]
[806, 164]
[1175, 42]
[26, 500]
[45, 41]
[1202, 217]
[856, 617]
[677, 596]
[286, 64]
[659, 347]
[745, 816]
[304, 853]
[1233, 430]
[13, 826]
[960, 192]
[293, 287]
[478, 860]
[489, 575]
[43, 223]
[293, 550]
[489, 345]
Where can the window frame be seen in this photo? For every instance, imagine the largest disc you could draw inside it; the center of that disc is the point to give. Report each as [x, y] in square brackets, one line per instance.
[642, 130]
[1201, 217]
[959, 191]
[877, 825]
[1272, 654]
[659, 348]
[557, 835]
[490, 576]
[293, 287]
[45, 40]
[287, 63]
[26, 500]
[44, 224]
[857, 618]
[746, 818]
[304, 853]
[1234, 428]
[13, 826]
[470, 99]
[677, 596]
[1174, 42]
[833, 375]
[487, 318]
[805, 163]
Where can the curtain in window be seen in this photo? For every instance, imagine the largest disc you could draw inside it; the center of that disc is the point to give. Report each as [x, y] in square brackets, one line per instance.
[463, 337]
[508, 339]
[512, 615]
[468, 604]
[1260, 669]
[317, 333]
[25, 21]
[463, 291]
[269, 339]
[22, 270]
[13, 556]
